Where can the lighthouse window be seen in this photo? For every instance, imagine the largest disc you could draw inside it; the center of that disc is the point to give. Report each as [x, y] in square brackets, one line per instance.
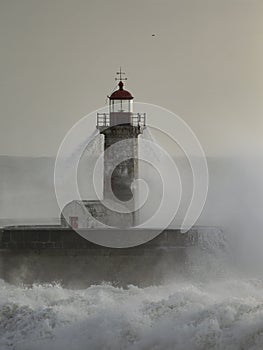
[112, 106]
[120, 106]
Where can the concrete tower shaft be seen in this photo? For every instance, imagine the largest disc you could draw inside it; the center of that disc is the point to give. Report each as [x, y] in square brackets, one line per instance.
[120, 124]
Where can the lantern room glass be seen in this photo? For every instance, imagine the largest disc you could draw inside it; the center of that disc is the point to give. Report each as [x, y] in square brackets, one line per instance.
[120, 106]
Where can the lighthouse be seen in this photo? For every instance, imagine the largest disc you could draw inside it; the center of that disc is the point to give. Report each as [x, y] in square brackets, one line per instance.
[120, 124]
[120, 128]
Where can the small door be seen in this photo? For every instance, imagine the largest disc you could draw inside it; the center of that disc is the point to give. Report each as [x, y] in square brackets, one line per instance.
[74, 221]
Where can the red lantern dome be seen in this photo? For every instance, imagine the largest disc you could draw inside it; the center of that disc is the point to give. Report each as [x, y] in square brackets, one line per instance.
[121, 94]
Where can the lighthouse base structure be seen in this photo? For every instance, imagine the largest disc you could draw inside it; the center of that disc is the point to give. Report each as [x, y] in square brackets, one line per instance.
[90, 214]
[41, 254]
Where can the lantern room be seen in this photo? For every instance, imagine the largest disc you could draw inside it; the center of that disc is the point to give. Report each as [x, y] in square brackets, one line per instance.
[120, 109]
[120, 106]
[121, 100]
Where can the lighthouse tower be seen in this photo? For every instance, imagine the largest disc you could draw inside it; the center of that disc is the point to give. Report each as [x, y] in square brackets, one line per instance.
[120, 124]
[120, 128]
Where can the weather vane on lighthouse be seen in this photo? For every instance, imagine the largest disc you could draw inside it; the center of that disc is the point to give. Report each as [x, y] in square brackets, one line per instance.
[120, 75]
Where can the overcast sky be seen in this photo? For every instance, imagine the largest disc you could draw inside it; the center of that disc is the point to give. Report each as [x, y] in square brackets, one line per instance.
[59, 58]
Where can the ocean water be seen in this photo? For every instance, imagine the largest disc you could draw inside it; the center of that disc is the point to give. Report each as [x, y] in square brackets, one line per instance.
[182, 314]
[212, 305]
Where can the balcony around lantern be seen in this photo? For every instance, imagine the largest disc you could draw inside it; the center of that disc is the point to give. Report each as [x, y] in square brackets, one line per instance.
[106, 120]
